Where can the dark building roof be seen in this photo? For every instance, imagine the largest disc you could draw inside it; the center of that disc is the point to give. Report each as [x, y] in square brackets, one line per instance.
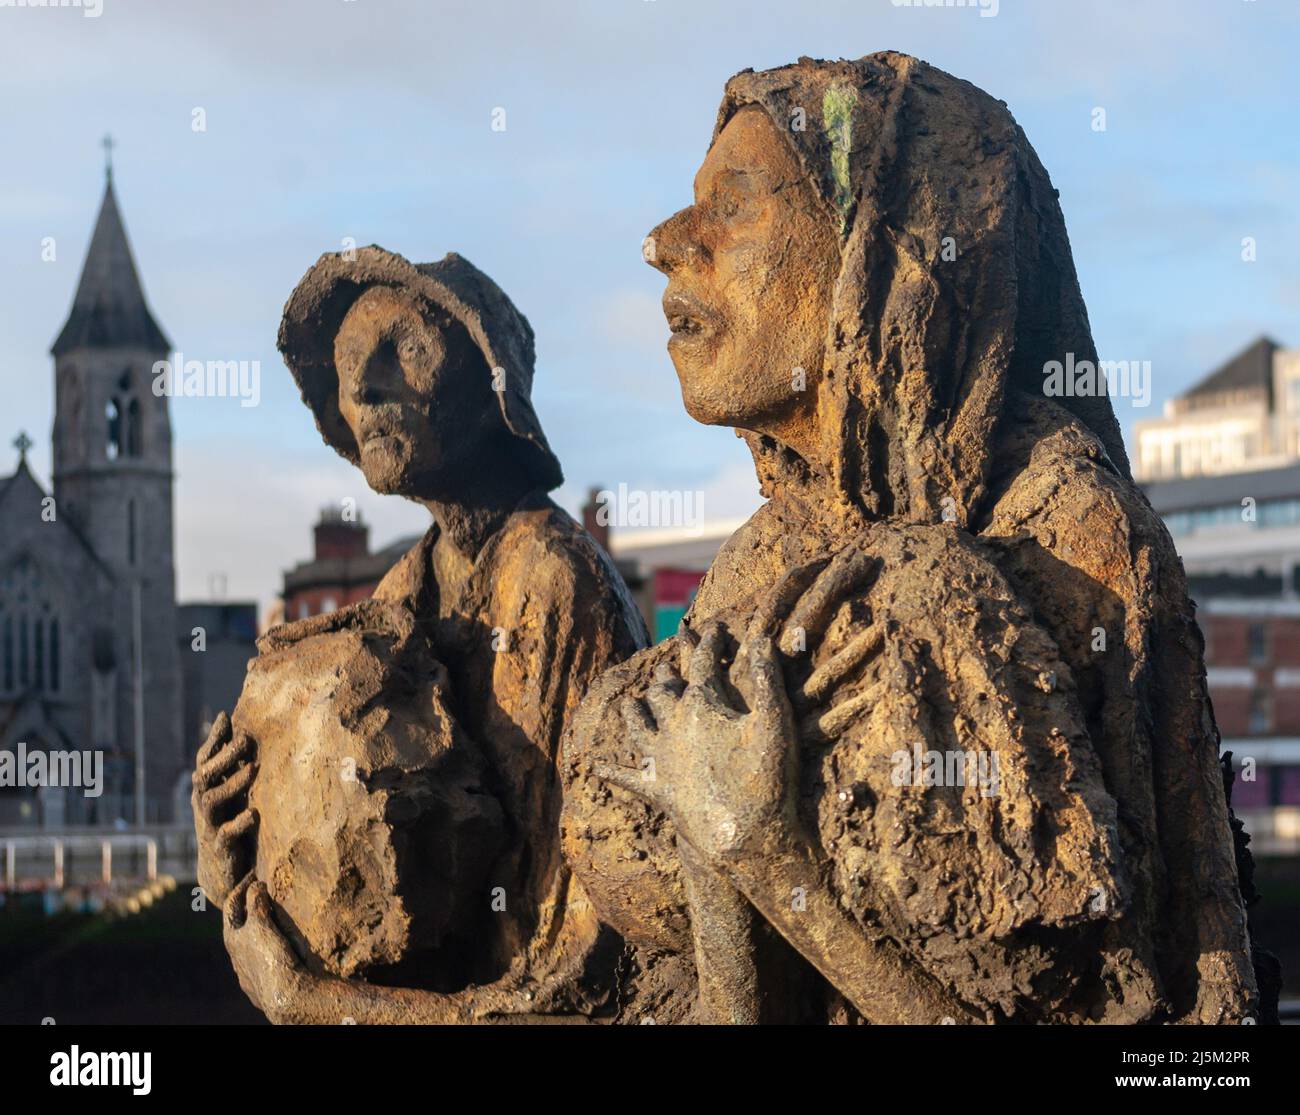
[1192, 492]
[1251, 369]
[109, 309]
[1259, 585]
[349, 571]
[22, 478]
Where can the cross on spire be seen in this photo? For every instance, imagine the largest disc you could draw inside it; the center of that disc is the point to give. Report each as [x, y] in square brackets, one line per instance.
[108, 144]
[22, 443]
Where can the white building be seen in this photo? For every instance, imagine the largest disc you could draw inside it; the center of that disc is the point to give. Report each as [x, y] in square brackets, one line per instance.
[1244, 416]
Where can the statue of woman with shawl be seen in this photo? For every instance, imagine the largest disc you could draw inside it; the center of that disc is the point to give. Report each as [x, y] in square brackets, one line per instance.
[933, 743]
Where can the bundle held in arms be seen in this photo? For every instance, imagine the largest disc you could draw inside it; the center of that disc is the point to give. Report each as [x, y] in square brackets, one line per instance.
[375, 836]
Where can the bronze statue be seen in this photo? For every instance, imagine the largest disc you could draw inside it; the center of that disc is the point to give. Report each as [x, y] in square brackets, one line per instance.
[868, 286]
[380, 815]
[933, 743]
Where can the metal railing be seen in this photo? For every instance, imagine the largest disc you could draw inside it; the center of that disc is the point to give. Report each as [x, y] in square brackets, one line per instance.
[49, 858]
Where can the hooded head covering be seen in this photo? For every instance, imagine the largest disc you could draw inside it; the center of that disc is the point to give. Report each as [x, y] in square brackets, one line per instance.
[319, 303]
[956, 282]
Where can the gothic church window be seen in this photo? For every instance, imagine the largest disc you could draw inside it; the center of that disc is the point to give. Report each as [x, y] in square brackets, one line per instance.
[113, 413]
[133, 435]
[125, 424]
[29, 632]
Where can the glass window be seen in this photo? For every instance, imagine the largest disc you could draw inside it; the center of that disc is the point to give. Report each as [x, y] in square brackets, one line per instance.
[133, 440]
[113, 415]
[1261, 712]
[1257, 643]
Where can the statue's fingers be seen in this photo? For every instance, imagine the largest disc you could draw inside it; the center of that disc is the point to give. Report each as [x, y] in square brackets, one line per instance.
[663, 697]
[861, 648]
[261, 919]
[776, 605]
[666, 673]
[705, 669]
[236, 902]
[635, 780]
[768, 697]
[639, 725]
[707, 689]
[259, 901]
[237, 828]
[217, 738]
[851, 569]
[834, 720]
[218, 801]
[687, 640]
[241, 749]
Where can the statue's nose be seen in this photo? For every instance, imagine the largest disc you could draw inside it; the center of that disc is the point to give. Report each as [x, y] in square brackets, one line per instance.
[673, 242]
[379, 368]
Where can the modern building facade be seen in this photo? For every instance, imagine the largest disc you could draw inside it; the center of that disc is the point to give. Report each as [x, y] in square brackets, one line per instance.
[1223, 470]
[1244, 416]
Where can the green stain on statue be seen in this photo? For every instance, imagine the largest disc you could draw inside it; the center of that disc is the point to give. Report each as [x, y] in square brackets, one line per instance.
[837, 121]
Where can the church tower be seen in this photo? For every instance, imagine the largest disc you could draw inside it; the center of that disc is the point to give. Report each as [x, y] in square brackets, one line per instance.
[112, 449]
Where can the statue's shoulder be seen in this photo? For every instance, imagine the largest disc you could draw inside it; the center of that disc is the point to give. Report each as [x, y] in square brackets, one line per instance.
[770, 543]
[406, 581]
[1068, 495]
[543, 556]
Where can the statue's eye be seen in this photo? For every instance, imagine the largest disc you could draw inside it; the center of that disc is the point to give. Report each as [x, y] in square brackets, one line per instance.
[727, 206]
[410, 350]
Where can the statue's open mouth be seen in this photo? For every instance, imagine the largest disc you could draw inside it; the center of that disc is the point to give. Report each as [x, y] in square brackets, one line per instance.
[686, 316]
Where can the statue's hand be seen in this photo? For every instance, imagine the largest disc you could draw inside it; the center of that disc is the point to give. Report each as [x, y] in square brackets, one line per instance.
[226, 827]
[719, 767]
[719, 753]
[268, 969]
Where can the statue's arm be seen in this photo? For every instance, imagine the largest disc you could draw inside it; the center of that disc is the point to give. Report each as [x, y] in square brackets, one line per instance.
[286, 992]
[872, 974]
[723, 924]
[727, 777]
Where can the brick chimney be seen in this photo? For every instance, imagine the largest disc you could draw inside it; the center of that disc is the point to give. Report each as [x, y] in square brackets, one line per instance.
[339, 537]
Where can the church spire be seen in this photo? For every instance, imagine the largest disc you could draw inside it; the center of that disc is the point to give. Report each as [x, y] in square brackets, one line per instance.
[109, 309]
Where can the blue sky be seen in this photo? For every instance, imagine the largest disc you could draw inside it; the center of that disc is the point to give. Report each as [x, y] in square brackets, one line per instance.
[371, 119]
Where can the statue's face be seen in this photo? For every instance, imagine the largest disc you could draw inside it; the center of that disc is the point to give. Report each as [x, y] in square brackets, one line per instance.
[408, 392]
[751, 267]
